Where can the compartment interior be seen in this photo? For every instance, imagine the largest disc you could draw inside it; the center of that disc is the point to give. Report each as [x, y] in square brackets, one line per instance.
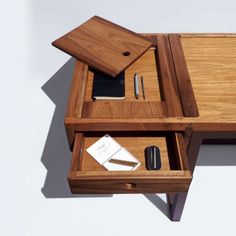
[135, 143]
[151, 106]
[145, 66]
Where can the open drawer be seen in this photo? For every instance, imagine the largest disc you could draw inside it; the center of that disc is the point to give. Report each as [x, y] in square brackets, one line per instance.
[87, 176]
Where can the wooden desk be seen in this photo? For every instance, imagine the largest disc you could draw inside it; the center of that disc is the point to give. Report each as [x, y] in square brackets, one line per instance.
[190, 85]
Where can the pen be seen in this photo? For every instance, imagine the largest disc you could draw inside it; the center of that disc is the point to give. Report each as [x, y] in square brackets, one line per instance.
[143, 87]
[123, 162]
[136, 90]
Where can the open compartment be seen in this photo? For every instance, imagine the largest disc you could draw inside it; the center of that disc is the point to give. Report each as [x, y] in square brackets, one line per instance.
[87, 176]
[151, 106]
[167, 85]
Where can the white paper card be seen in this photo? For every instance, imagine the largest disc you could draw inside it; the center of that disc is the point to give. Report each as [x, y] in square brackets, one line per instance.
[103, 149]
[107, 148]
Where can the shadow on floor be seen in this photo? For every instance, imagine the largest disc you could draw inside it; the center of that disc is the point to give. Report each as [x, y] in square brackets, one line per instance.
[56, 154]
[217, 155]
[159, 203]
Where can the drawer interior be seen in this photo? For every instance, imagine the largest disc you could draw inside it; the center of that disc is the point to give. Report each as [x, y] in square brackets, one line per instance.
[130, 143]
[86, 174]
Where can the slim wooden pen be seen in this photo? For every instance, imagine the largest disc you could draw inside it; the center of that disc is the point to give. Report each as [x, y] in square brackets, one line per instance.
[123, 162]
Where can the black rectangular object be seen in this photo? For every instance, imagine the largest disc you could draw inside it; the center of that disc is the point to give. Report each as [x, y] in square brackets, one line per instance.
[152, 158]
[106, 87]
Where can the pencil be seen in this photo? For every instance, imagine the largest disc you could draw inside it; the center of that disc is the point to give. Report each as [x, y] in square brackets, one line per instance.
[123, 162]
[142, 83]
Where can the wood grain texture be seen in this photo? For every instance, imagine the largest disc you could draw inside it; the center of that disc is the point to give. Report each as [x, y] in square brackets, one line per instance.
[167, 78]
[151, 37]
[180, 147]
[207, 58]
[102, 45]
[130, 124]
[211, 61]
[208, 35]
[76, 96]
[148, 124]
[135, 145]
[92, 178]
[173, 184]
[77, 91]
[76, 160]
[186, 94]
[187, 136]
[212, 67]
[145, 66]
[106, 109]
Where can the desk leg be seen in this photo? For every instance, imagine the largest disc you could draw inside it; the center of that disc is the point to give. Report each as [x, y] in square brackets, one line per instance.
[193, 149]
[176, 201]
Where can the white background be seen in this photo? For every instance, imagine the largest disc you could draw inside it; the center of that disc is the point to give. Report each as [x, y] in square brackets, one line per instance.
[34, 154]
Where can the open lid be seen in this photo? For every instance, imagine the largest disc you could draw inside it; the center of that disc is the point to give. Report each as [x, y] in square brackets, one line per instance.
[103, 45]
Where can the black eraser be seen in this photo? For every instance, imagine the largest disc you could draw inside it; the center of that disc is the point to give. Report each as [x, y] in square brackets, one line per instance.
[152, 158]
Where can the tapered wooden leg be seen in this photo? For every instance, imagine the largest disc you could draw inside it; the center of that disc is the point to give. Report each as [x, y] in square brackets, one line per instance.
[176, 201]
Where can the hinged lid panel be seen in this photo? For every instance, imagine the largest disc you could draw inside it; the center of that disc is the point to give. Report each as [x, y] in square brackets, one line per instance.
[103, 45]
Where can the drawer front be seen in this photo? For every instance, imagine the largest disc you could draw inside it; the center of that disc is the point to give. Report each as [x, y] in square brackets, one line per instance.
[87, 176]
[132, 186]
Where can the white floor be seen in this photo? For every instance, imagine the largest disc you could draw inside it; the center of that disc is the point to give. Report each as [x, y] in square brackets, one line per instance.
[35, 199]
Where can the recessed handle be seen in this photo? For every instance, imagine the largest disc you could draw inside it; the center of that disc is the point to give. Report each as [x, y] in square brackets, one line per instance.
[130, 185]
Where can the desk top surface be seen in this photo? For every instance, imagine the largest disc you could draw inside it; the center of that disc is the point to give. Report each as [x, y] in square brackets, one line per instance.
[211, 63]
